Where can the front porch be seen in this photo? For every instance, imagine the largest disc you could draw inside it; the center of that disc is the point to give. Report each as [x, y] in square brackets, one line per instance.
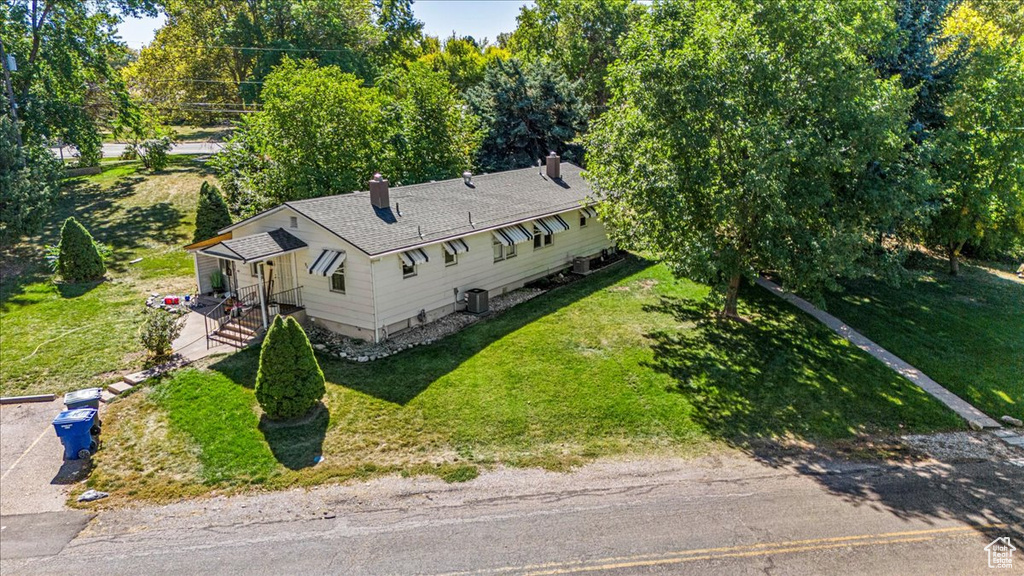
[245, 282]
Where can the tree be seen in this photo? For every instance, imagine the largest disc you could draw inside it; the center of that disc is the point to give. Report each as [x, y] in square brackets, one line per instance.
[212, 213]
[159, 330]
[66, 85]
[29, 183]
[289, 382]
[463, 60]
[747, 136]
[526, 113]
[320, 132]
[580, 37]
[435, 137]
[980, 159]
[78, 259]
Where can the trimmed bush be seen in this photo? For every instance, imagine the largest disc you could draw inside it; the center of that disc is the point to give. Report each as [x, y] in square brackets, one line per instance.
[78, 256]
[211, 213]
[160, 329]
[289, 382]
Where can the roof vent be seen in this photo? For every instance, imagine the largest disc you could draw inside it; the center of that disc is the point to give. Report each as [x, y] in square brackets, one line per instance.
[467, 177]
[379, 192]
[554, 166]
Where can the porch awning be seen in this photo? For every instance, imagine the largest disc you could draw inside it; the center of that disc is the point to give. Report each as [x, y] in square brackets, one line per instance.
[515, 234]
[414, 257]
[327, 263]
[589, 212]
[255, 247]
[457, 246]
[552, 224]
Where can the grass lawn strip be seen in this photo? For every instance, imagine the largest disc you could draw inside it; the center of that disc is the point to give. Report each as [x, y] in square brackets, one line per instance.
[966, 332]
[60, 337]
[626, 362]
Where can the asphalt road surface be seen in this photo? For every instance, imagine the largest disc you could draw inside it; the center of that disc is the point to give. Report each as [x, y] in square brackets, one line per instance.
[725, 515]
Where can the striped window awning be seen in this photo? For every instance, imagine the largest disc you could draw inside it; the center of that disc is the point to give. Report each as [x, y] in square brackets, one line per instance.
[509, 235]
[414, 257]
[327, 263]
[589, 212]
[457, 246]
[552, 224]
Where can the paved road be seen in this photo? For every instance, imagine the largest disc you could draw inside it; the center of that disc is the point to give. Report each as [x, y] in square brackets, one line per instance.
[113, 150]
[735, 515]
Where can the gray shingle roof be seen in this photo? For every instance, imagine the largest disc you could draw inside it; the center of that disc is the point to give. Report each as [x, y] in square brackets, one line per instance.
[441, 210]
[256, 246]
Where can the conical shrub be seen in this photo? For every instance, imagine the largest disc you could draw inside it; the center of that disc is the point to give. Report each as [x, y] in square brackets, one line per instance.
[212, 213]
[78, 257]
[289, 382]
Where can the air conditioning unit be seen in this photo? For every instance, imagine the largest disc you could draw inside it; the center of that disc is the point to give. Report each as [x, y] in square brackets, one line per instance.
[476, 301]
[581, 265]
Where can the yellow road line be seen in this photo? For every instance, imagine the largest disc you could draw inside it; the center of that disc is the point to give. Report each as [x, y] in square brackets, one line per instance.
[762, 548]
[764, 552]
[23, 454]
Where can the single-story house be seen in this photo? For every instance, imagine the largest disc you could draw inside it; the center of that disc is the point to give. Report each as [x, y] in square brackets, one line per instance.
[370, 264]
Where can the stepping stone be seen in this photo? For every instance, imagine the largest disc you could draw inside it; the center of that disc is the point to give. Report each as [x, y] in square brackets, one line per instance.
[118, 388]
[106, 396]
[1015, 441]
[140, 377]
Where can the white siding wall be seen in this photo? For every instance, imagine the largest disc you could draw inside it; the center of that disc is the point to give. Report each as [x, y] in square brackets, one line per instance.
[432, 289]
[205, 265]
[350, 313]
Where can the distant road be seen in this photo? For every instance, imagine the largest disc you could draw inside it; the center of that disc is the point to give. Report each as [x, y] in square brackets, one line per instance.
[114, 149]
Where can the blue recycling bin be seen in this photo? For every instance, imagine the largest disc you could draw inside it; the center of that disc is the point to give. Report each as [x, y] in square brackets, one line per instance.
[74, 428]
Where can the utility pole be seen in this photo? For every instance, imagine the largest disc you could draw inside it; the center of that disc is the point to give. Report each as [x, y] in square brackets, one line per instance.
[10, 92]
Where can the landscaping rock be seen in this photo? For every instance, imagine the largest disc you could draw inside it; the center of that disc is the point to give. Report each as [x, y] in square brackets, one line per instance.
[364, 359]
[974, 425]
[320, 347]
[1012, 421]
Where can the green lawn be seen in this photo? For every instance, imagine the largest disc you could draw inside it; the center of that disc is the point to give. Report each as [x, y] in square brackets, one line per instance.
[966, 332]
[626, 361]
[58, 337]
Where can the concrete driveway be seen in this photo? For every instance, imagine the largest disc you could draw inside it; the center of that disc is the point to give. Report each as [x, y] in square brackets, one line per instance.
[34, 483]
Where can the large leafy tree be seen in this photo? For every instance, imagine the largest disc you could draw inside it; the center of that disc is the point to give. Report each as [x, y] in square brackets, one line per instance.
[526, 112]
[29, 182]
[434, 136]
[464, 60]
[322, 132]
[745, 136]
[980, 151]
[579, 36]
[66, 85]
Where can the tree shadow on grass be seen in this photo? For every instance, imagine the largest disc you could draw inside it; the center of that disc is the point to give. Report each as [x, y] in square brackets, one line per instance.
[297, 444]
[402, 377]
[68, 291]
[782, 375]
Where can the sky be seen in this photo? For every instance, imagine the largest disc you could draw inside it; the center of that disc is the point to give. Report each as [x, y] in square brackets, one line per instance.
[477, 18]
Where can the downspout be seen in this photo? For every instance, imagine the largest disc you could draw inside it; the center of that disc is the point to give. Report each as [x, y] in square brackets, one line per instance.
[195, 265]
[263, 303]
[373, 296]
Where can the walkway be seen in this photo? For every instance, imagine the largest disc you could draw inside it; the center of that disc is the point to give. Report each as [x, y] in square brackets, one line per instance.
[955, 403]
[192, 342]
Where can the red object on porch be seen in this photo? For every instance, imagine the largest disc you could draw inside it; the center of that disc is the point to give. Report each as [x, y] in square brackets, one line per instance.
[171, 300]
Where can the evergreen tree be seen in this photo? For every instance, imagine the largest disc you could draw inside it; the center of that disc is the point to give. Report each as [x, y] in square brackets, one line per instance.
[211, 213]
[79, 258]
[29, 182]
[289, 382]
[526, 113]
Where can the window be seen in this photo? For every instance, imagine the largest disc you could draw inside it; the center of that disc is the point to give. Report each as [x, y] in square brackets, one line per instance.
[502, 252]
[583, 221]
[449, 258]
[540, 240]
[407, 270]
[294, 222]
[338, 280]
[254, 269]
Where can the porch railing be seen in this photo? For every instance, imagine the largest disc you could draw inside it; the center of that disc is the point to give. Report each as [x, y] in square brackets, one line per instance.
[287, 298]
[241, 308]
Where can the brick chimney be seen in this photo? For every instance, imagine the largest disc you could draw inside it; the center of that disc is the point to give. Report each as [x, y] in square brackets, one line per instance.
[554, 165]
[379, 192]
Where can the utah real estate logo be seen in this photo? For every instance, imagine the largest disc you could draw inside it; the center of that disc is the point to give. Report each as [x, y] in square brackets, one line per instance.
[1000, 553]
